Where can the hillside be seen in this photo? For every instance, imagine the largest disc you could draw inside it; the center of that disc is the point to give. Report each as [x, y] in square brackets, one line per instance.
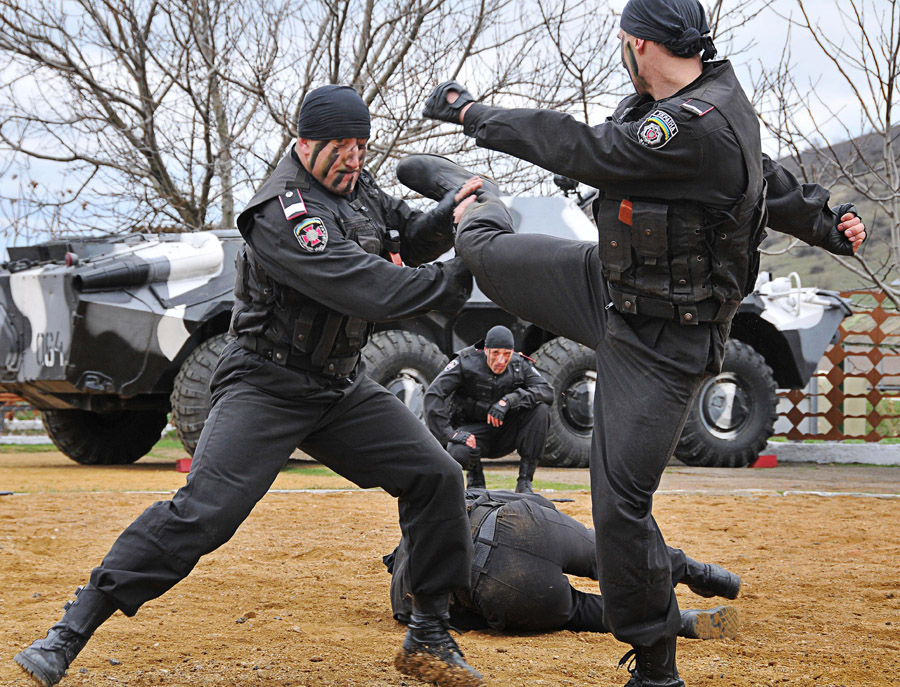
[815, 266]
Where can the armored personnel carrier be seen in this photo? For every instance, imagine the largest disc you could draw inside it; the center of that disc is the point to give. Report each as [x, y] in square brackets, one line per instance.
[104, 335]
[777, 339]
[107, 336]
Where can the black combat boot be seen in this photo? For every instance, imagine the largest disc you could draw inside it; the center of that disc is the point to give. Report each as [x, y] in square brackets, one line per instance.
[722, 622]
[527, 466]
[708, 579]
[47, 660]
[475, 477]
[429, 652]
[434, 176]
[653, 666]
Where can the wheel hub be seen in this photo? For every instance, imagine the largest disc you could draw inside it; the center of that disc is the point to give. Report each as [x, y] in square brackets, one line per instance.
[409, 386]
[577, 402]
[724, 406]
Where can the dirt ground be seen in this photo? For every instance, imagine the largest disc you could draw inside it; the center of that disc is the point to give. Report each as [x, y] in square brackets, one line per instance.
[300, 596]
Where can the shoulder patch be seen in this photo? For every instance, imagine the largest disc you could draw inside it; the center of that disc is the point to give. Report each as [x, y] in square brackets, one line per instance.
[312, 235]
[697, 107]
[292, 204]
[453, 363]
[657, 130]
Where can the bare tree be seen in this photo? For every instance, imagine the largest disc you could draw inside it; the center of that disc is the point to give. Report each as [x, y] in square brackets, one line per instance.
[117, 115]
[862, 43]
[168, 114]
[120, 95]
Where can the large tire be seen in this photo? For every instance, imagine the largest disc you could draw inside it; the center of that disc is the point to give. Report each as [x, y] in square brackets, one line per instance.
[190, 393]
[572, 371]
[734, 413]
[117, 438]
[405, 364]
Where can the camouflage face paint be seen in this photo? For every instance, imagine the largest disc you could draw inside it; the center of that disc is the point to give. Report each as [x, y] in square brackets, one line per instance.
[337, 164]
[317, 148]
[631, 66]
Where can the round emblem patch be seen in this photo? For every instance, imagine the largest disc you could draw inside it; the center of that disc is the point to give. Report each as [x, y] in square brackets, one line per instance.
[657, 130]
[312, 235]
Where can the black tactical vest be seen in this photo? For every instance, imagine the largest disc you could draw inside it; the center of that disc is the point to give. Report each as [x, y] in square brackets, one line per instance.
[684, 259]
[285, 325]
[480, 387]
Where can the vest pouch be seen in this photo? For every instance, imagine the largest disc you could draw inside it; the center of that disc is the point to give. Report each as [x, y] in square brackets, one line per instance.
[357, 333]
[241, 275]
[301, 339]
[484, 391]
[648, 231]
[363, 231]
[614, 238]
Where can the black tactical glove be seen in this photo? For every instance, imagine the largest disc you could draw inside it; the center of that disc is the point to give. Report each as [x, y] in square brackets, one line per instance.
[835, 241]
[437, 107]
[441, 215]
[460, 436]
[498, 410]
[565, 184]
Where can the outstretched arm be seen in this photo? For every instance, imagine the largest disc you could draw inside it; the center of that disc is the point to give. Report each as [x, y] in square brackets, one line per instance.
[558, 142]
[802, 210]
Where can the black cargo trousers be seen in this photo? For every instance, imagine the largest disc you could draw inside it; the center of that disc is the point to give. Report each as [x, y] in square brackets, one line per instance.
[648, 371]
[523, 430]
[260, 412]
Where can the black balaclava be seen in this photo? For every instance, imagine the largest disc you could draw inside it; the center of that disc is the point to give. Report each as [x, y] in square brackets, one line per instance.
[499, 337]
[679, 25]
[333, 112]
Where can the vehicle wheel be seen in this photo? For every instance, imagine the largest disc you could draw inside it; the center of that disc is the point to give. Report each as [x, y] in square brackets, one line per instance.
[404, 364]
[117, 438]
[571, 370]
[734, 413]
[190, 393]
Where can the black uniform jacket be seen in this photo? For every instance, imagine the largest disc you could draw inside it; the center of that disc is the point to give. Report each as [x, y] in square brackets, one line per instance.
[699, 162]
[466, 388]
[683, 196]
[314, 255]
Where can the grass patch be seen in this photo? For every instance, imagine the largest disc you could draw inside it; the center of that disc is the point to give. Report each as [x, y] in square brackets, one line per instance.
[509, 484]
[318, 471]
[27, 448]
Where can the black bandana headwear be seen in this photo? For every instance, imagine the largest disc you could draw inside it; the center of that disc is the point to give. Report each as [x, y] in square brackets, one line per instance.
[333, 112]
[680, 25]
[499, 337]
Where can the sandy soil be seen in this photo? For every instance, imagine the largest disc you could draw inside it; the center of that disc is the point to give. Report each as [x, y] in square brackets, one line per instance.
[300, 596]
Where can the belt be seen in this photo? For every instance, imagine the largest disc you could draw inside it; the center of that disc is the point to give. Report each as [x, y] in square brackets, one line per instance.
[337, 367]
[708, 310]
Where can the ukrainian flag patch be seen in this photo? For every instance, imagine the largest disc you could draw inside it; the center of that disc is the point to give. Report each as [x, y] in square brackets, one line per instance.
[657, 130]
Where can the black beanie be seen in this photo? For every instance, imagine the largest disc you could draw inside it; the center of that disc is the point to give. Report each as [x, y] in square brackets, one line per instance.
[499, 337]
[679, 25]
[333, 112]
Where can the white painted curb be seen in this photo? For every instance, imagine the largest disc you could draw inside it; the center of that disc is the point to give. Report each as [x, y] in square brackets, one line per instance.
[835, 452]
